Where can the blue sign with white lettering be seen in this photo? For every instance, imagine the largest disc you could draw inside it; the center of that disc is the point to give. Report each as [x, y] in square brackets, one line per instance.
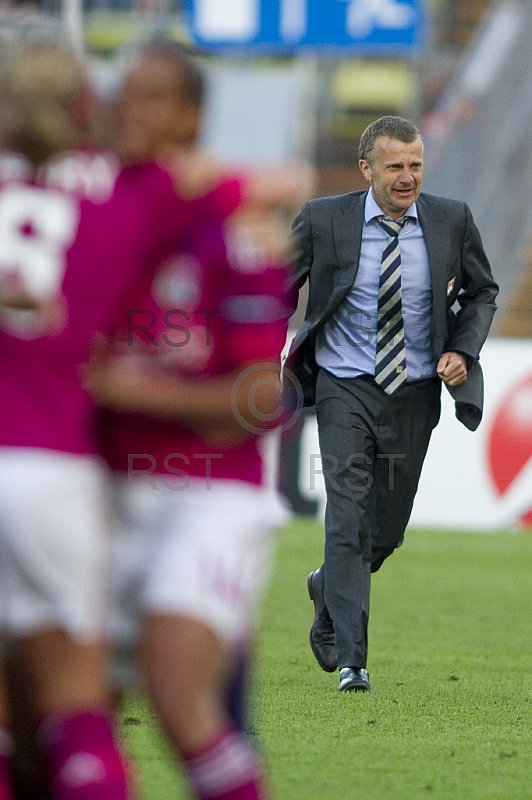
[365, 26]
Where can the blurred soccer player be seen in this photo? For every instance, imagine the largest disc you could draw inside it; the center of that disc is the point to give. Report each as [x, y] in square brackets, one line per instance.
[75, 233]
[193, 384]
[161, 116]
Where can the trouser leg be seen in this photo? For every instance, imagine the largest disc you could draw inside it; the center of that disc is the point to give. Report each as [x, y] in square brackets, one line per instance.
[373, 447]
[348, 453]
[406, 425]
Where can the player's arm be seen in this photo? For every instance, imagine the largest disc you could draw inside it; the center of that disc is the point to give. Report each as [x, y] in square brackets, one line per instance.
[285, 187]
[199, 175]
[230, 406]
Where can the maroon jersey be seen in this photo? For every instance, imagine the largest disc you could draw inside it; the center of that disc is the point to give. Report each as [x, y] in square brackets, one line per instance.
[210, 310]
[76, 235]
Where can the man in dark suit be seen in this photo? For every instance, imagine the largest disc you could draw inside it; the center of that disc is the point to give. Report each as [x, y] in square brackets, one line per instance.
[384, 268]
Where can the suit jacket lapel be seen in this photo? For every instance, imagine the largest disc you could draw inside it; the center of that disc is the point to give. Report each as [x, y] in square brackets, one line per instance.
[347, 231]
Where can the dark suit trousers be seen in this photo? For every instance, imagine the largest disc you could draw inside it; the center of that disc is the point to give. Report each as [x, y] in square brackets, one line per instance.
[372, 448]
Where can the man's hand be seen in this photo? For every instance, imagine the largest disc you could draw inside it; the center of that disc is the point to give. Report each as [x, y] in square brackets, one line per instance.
[452, 368]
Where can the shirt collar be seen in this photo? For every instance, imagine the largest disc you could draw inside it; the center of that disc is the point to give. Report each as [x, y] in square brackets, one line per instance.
[373, 210]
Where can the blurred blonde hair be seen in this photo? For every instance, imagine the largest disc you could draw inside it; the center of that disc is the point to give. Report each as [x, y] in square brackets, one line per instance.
[41, 82]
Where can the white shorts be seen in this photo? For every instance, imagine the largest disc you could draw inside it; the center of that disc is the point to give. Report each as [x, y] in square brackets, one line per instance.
[203, 553]
[54, 544]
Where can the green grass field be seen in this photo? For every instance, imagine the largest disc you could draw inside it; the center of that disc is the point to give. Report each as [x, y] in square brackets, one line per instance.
[450, 712]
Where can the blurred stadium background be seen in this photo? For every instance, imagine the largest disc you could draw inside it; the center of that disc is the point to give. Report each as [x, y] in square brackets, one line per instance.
[462, 70]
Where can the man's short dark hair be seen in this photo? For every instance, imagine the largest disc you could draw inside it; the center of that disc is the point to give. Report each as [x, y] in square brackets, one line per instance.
[393, 127]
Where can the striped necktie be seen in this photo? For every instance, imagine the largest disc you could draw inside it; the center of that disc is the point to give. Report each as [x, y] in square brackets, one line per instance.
[390, 361]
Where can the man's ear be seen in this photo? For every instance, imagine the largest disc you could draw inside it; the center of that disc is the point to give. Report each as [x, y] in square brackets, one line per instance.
[365, 169]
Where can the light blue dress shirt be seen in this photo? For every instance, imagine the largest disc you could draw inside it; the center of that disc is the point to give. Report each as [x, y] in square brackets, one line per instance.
[346, 345]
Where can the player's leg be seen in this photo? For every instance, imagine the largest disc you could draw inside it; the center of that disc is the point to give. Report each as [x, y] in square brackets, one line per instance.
[6, 743]
[237, 687]
[53, 577]
[186, 666]
[206, 574]
[29, 773]
[71, 715]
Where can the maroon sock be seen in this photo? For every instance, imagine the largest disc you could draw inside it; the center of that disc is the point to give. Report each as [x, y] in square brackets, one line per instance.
[6, 748]
[227, 769]
[83, 756]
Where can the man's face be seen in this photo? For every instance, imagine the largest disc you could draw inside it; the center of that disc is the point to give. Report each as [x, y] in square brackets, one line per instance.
[153, 114]
[394, 173]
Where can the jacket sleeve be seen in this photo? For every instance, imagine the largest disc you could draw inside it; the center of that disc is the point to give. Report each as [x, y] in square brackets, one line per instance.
[301, 250]
[477, 297]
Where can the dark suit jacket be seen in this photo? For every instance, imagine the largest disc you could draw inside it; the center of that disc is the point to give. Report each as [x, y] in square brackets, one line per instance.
[327, 236]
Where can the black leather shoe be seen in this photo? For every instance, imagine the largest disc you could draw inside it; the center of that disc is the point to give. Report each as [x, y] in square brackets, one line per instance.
[353, 679]
[322, 639]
